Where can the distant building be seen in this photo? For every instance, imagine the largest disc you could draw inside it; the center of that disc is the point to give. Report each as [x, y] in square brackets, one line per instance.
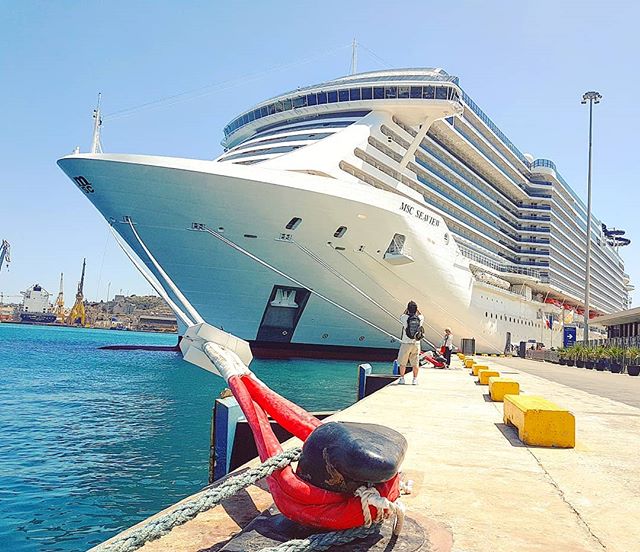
[150, 323]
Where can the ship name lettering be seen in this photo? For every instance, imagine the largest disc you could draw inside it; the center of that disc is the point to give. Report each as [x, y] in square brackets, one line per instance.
[83, 184]
[419, 214]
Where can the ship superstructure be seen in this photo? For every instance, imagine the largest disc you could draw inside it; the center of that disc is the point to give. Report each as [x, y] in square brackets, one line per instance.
[335, 204]
[36, 307]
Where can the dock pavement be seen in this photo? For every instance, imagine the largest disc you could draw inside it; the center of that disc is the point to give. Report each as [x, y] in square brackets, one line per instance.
[476, 486]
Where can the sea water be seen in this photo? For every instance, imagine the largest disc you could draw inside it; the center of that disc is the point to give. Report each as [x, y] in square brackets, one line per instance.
[93, 441]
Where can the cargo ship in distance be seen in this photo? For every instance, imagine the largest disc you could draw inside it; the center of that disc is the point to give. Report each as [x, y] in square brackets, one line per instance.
[334, 205]
[36, 307]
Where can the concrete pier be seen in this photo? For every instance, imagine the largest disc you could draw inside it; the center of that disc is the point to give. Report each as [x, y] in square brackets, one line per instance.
[476, 486]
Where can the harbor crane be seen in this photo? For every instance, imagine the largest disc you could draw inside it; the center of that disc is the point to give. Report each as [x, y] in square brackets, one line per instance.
[59, 306]
[77, 315]
[5, 257]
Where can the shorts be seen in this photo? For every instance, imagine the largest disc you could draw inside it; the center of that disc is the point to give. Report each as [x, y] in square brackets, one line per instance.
[408, 354]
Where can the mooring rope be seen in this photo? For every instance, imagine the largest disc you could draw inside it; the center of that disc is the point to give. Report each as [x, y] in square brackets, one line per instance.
[162, 525]
[156, 528]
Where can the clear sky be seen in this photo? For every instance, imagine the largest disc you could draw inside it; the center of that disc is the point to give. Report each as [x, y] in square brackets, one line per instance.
[526, 64]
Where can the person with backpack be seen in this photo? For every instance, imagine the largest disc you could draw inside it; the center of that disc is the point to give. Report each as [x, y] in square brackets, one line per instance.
[447, 346]
[412, 334]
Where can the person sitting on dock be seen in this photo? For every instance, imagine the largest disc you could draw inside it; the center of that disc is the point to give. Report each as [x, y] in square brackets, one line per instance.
[412, 333]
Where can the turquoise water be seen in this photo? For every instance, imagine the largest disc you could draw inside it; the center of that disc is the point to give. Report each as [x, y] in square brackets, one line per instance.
[93, 441]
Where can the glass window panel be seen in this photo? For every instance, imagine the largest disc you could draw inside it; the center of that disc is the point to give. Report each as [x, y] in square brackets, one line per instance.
[271, 108]
[343, 95]
[403, 91]
[354, 93]
[332, 96]
[441, 93]
[378, 92]
[256, 113]
[287, 104]
[367, 93]
[416, 91]
[429, 92]
[299, 101]
[279, 106]
[251, 116]
[245, 119]
[322, 97]
[312, 99]
[263, 111]
[390, 91]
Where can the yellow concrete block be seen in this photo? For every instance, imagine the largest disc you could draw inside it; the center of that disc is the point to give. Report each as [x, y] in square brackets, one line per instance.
[484, 375]
[469, 362]
[477, 367]
[499, 387]
[540, 422]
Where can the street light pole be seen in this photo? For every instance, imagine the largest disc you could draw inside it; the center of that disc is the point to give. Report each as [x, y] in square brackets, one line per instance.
[591, 97]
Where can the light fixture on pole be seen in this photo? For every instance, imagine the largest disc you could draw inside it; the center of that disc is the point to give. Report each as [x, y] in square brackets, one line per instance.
[591, 97]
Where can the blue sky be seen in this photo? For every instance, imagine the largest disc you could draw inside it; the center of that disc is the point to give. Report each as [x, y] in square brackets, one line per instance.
[525, 63]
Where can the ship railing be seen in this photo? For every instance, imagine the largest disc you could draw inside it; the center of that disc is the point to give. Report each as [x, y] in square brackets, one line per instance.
[496, 265]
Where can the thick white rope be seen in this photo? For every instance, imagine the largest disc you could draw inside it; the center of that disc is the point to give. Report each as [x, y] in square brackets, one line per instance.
[369, 496]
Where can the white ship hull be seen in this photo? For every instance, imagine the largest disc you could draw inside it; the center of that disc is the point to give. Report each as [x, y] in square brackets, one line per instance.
[164, 197]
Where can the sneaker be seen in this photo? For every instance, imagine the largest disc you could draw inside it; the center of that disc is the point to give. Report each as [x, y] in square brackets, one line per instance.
[415, 381]
[401, 380]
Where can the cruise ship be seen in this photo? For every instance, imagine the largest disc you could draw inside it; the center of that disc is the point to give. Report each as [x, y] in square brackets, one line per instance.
[335, 204]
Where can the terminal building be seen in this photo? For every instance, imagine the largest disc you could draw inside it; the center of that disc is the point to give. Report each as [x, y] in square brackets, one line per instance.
[621, 324]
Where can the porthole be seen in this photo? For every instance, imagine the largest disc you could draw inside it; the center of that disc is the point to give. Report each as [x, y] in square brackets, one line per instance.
[486, 315]
[293, 223]
[325, 335]
[361, 338]
[341, 231]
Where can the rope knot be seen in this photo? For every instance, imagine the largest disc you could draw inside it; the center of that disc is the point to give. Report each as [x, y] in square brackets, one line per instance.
[369, 496]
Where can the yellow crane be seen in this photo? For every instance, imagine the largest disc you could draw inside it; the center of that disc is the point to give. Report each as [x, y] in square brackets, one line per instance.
[77, 314]
[59, 306]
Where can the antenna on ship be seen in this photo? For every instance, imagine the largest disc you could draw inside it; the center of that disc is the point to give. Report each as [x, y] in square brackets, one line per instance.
[354, 57]
[96, 146]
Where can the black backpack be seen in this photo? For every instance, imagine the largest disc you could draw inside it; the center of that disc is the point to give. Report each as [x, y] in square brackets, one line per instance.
[414, 330]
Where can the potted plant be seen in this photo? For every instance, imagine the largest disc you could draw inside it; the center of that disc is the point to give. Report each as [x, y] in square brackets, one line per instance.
[590, 358]
[579, 351]
[616, 354]
[562, 357]
[602, 358]
[633, 361]
[571, 355]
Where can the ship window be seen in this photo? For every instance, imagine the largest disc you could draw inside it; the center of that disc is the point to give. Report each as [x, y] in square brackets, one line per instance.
[378, 92]
[300, 101]
[293, 223]
[486, 314]
[343, 95]
[390, 91]
[312, 99]
[287, 104]
[250, 236]
[403, 91]
[332, 96]
[263, 112]
[367, 93]
[322, 98]
[441, 93]
[428, 92]
[354, 93]
[416, 91]
[271, 108]
[341, 231]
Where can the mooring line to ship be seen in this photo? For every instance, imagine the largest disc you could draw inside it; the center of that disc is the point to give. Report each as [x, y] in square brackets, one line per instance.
[156, 286]
[235, 246]
[185, 303]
